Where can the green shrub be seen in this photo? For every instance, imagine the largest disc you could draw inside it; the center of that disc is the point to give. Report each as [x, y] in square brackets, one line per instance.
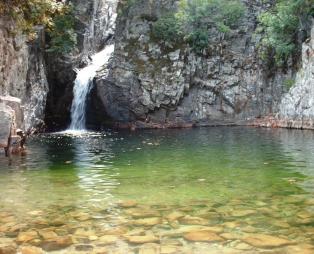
[194, 19]
[167, 28]
[62, 35]
[280, 26]
[55, 16]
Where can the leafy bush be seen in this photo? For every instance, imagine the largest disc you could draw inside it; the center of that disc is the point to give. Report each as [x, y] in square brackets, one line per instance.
[281, 25]
[62, 35]
[55, 15]
[194, 19]
[167, 28]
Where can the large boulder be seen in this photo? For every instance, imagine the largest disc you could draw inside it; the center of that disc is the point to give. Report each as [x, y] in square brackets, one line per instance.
[6, 124]
[15, 104]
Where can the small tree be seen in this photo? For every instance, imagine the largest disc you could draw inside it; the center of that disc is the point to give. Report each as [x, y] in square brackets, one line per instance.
[56, 16]
[281, 25]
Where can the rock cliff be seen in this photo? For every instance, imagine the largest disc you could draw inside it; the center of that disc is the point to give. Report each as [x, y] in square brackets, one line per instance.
[22, 72]
[151, 85]
[297, 107]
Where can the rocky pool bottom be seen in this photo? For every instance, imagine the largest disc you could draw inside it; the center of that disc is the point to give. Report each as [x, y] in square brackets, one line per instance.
[214, 190]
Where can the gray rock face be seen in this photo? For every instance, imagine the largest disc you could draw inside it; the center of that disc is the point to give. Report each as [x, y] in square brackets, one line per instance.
[297, 106]
[22, 71]
[154, 85]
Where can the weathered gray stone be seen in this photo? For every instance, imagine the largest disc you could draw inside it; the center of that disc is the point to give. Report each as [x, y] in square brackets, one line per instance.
[22, 72]
[297, 107]
[15, 104]
[6, 123]
[152, 85]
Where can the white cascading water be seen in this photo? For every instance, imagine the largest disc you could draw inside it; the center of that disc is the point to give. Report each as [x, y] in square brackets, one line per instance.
[83, 85]
[84, 79]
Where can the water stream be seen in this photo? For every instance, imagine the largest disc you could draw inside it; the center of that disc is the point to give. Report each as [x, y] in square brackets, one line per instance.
[83, 85]
[101, 31]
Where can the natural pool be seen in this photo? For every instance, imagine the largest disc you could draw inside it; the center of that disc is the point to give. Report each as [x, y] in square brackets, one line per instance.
[208, 190]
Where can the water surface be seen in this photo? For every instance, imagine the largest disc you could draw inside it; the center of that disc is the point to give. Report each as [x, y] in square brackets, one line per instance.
[245, 181]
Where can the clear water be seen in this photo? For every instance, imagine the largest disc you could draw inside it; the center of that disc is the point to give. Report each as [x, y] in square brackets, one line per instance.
[213, 174]
[83, 85]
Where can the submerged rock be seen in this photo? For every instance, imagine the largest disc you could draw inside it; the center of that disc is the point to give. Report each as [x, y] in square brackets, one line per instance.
[31, 250]
[203, 236]
[266, 241]
[147, 221]
[46, 234]
[25, 237]
[108, 239]
[174, 216]
[57, 243]
[242, 213]
[84, 247]
[169, 249]
[149, 248]
[190, 220]
[128, 203]
[141, 213]
[7, 249]
[142, 239]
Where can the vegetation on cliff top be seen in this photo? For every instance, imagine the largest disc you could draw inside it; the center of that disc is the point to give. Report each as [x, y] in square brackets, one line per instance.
[56, 16]
[194, 19]
[282, 25]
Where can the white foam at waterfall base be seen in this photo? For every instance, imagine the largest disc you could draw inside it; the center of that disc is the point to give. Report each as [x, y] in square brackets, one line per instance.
[83, 85]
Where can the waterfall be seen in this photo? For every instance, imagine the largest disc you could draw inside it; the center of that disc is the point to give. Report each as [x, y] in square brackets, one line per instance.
[83, 85]
[103, 22]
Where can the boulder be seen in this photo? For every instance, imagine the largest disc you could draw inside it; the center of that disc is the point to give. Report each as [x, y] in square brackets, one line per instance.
[15, 104]
[6, 123]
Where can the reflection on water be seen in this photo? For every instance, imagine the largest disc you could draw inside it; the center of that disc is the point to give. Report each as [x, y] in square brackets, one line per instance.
[246, 181]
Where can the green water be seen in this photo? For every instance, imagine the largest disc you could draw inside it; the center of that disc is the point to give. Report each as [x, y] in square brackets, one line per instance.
[217, 171]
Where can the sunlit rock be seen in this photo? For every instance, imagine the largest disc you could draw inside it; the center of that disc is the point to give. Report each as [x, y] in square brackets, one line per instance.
[25, 237]
[266, 241]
